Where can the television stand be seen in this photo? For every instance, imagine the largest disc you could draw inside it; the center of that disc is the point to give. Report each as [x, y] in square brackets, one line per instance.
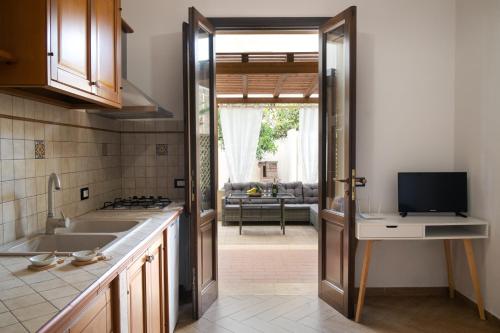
[460, 214]
[444, 228]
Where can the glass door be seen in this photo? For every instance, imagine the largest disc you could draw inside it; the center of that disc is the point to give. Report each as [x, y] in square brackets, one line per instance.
[201, 172]
[337, 174]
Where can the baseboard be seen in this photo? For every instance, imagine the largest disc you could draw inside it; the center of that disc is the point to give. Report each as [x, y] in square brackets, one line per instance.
[406, 291]
[470, 303]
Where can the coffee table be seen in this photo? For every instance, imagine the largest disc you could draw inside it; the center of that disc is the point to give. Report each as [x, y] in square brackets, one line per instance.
[280, 198]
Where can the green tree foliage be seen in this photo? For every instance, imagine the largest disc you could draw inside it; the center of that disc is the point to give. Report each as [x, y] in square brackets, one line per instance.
[276, 122]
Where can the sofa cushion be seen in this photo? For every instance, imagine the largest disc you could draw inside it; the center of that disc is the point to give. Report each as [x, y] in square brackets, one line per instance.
[310, 193]
[294, 188]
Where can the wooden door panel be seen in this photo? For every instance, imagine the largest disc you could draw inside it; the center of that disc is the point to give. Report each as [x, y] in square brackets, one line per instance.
[98, 324]
[106, 44]
[157, 286]
[334, 243]
[70, 43]
[207, 253]
[137, 297]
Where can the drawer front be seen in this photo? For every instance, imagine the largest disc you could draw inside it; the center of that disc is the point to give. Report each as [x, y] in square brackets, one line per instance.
[389, 231]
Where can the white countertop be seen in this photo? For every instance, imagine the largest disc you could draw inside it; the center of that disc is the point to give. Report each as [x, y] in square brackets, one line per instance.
[29, 299]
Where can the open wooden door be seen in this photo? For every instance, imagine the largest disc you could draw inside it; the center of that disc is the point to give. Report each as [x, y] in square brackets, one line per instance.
[202, 149]
[337, 160]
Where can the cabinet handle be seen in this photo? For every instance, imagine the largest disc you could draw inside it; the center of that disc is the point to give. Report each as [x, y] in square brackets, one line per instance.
[150, 258]
[94, 83]
[50, 54]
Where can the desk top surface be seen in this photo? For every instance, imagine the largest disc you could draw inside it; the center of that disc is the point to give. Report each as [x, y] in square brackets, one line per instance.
[396, 219]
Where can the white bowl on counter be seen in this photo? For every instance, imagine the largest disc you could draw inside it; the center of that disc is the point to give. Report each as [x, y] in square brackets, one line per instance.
[85, 255]
[43, 260]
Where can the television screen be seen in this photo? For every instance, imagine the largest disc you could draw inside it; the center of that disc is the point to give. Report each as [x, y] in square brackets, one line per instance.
[432, 192]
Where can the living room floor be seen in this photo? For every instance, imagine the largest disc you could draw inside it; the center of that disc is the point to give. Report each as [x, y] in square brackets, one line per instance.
[263, 261]
[268, 283]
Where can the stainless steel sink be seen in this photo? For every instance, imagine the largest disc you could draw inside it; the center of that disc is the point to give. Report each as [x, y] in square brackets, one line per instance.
[64, 244]
[101, 226]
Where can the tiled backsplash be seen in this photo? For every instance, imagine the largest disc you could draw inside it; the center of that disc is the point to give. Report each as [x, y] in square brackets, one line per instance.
[152, 153]
[113, 158]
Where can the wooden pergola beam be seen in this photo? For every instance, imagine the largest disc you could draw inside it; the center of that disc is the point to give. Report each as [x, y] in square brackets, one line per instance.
[245, 86]
[311, 89]
[265, 100]
[279, 85]
[267, 68]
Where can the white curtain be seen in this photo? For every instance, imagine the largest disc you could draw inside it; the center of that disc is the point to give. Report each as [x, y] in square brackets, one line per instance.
[240, 130]
[308, 144]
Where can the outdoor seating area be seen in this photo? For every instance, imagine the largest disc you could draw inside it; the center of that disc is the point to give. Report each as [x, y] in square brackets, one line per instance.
[302, 207]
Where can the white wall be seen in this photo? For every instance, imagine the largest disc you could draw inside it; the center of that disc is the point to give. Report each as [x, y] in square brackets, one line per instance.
[477, 137]
[405, 95]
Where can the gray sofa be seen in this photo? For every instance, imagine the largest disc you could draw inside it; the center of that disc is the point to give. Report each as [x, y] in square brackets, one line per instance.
[303, 208]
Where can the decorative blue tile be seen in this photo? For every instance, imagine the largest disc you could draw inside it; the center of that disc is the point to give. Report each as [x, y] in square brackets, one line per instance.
[39, 149]
[161, 149]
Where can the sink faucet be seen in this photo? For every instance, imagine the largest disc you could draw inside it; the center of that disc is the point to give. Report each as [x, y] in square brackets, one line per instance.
[53, 222]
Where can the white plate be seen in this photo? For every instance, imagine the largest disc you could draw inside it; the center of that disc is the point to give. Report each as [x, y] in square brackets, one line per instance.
[42, 260]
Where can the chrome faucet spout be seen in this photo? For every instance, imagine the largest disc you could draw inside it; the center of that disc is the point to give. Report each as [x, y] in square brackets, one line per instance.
[54, 181]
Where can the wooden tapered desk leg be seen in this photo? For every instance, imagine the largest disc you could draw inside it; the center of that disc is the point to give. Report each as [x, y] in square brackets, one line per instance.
[449, 266]
[364, 277]
[469, 252]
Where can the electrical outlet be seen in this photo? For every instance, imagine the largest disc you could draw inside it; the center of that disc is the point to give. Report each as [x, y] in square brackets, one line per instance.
[179, 183]
[84, 193]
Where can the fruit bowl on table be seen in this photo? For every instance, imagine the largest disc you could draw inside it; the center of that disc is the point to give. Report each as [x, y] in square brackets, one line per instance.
[257, 194]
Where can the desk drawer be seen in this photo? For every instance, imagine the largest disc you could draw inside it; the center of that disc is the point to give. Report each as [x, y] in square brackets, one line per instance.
[389, 231]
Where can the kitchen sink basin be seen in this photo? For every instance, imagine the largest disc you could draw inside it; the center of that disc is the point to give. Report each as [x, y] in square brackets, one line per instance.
[64, 244]
[101, 226]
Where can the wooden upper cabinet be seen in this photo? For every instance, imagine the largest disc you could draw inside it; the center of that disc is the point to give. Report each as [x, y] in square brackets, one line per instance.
[70, 43]
[106, 64]
[67, 52]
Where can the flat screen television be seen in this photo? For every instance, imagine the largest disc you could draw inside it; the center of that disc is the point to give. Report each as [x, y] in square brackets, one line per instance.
[432, 192]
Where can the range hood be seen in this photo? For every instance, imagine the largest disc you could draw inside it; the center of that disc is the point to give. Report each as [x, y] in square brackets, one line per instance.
[135, 103]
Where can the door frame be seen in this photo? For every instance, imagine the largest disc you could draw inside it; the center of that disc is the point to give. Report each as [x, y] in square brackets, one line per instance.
[221, 24]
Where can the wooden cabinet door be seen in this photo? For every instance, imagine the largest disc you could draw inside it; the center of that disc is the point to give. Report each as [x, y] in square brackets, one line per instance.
[70, 43]
[98, 323]
[137, 295]
[96, 317]
[156, 286]
[105, 45]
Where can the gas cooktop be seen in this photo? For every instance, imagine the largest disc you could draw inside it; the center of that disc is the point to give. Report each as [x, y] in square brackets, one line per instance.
[138, 203]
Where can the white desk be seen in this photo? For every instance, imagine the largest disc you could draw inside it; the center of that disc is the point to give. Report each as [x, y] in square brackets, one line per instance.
[446, 228]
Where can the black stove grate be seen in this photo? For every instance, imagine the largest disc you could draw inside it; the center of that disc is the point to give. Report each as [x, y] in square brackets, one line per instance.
[136, 202]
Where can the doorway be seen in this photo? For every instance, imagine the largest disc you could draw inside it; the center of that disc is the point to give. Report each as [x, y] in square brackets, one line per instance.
[336, 168]
[267, 108]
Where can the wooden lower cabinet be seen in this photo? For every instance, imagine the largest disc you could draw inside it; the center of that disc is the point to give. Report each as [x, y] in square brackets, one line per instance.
[96, 317]
[145, 283]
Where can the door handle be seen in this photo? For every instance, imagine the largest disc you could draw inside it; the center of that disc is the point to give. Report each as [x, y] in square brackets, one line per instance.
[360, 181]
